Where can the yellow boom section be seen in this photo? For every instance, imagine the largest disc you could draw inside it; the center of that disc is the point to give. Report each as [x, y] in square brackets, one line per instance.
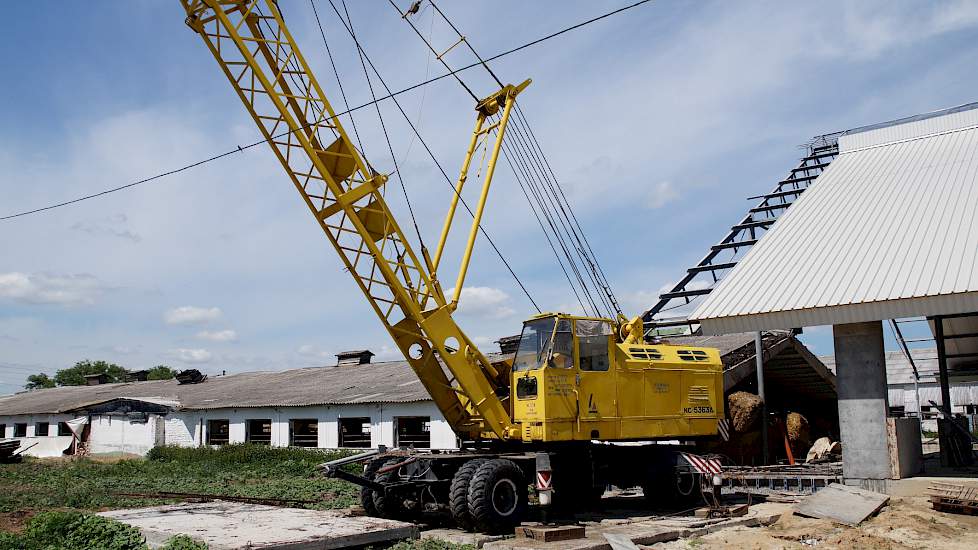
[257, 53]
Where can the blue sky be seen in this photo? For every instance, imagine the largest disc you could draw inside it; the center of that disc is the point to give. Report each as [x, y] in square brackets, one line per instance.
[659, 123]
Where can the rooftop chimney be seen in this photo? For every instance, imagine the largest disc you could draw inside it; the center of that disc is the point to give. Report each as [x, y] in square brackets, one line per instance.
[355, 357]
[96, 379]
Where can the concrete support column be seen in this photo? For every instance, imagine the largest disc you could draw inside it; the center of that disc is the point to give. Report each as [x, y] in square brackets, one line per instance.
[861, 382]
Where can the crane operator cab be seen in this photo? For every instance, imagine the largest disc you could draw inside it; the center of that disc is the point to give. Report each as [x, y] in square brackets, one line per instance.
[578, 378]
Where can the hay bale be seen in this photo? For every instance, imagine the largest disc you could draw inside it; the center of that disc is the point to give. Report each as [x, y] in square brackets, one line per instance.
[745, 410]
[798, 431]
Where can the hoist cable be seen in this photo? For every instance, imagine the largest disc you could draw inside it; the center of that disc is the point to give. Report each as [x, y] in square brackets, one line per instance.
[587, 243]
[380, 117]
[547, 190]
[542, 198]
[520, 168]
[537, 191]
[336, 73]
[566, 214]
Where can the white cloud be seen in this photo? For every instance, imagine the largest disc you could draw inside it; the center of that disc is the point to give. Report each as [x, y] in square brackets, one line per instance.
[48, 288]
[484, 301]
[191, 315]
[188, 355]
[311, 350]
[113, 226]
[662, 194]
[226, 335]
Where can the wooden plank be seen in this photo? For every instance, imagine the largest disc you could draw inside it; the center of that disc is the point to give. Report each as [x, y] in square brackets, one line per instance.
[550, 533]
[842, 504]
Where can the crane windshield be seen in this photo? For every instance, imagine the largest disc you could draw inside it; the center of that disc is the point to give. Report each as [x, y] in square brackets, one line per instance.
[535, 344]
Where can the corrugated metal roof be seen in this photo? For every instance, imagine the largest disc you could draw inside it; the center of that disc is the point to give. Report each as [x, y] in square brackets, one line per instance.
[898, 369]
[391, 382]
[887, 231]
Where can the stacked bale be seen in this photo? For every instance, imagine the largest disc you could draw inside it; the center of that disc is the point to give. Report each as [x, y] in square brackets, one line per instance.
[745, 410]
[799, 434]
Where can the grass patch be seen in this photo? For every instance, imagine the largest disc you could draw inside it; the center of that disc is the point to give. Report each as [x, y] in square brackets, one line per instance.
[79, 531]
[233, 470]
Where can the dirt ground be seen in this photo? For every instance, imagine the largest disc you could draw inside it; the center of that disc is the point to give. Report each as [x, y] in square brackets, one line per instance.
[905, 522]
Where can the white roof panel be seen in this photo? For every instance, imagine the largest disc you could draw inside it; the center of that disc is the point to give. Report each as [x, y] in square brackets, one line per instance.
[887, 231]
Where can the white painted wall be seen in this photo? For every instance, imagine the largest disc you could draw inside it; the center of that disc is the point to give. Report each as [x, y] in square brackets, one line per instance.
[113, 434]
[46, 445]
[188, 428]
[119, 434]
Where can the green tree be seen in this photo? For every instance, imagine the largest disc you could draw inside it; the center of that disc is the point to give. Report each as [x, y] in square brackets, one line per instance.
[75, 376]
[160, 372]
[39, 381]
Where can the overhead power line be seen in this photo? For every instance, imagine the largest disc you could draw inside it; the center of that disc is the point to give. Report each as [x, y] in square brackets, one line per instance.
[346, 112]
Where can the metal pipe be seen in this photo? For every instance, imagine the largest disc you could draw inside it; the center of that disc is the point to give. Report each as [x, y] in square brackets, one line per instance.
[477, 219]
[463, 175]
[942, 366]
[759, 359]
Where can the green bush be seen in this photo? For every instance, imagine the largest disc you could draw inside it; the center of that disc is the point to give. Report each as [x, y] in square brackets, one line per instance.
[430, 544]
[74, 531]
[183, 542]
[79, 531]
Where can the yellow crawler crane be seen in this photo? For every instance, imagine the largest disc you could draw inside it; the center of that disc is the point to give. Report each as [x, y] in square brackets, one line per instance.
[577, 386]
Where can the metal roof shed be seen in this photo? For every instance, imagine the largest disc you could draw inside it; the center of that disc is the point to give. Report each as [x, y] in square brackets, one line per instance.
[887, 231]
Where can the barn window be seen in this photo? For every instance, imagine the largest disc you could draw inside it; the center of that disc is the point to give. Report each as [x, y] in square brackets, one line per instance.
[355, 432]
[20, 430]
[304, 432]
[41, 429]
[63, 429]
[259, 431]
[3, 431]
[218, 432]
[413, 431]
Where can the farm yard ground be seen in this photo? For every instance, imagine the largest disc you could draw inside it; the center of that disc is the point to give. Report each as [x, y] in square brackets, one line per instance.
[907, 522]
[94, 484]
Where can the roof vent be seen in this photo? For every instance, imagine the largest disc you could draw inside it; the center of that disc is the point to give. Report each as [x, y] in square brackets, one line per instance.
[190, 376]
[355, 357]
[96, 379]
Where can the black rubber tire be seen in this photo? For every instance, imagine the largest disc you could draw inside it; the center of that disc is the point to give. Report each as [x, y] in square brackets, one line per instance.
[497, 497]
[389, 507]
[458, 494]
[366, 493]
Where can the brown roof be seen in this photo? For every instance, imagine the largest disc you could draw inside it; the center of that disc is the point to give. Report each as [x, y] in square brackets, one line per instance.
[390, 382]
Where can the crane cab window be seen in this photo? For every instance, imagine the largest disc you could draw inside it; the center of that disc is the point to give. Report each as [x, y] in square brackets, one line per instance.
[592, 344]
[563, 355]
[534, 347]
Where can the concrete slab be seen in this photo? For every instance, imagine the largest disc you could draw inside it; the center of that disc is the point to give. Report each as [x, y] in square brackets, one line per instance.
[842, 504]
[234, 525]
[648, 531]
